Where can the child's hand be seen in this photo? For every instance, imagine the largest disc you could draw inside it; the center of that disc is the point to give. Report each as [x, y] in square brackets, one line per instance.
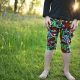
[47, 22]
[74, 25]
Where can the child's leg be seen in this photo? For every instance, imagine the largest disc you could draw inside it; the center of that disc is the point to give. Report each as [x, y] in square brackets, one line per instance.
[48, 56]
[51, 45]
[65, 37]
[66, 61]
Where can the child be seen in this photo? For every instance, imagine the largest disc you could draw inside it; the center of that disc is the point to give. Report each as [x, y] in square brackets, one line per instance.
[62, 18]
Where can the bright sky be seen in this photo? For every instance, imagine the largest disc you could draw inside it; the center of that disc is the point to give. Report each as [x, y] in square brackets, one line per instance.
[39, 9]
[12, 2]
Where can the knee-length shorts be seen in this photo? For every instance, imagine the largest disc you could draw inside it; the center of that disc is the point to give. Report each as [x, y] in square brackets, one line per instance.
[64, 27]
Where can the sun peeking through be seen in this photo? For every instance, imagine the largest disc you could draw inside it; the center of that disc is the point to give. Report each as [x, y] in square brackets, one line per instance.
[76, 6]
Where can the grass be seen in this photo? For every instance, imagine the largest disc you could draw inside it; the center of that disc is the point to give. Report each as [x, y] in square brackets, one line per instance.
[22, 48]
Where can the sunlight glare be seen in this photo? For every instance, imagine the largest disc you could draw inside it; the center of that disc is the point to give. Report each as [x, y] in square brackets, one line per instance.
[75, 6]
[39, 10]
[24, 10]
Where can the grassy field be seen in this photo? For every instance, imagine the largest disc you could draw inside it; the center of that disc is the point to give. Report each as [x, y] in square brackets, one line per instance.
[22, 48]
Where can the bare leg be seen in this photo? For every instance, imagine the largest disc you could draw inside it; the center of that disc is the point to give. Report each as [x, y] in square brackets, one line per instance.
[66, 61]
[48, 56]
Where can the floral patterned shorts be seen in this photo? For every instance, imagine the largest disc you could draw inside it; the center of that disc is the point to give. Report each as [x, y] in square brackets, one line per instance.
[62, 26]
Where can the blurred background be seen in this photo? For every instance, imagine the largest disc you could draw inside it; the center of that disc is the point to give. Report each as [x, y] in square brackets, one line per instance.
[22, 6]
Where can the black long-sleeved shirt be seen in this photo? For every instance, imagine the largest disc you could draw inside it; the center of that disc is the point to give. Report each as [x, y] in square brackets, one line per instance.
[60, 9]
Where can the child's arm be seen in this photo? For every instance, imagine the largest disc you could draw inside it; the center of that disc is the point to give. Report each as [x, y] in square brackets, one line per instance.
[46, 8]
[46, 11]
[77, 10]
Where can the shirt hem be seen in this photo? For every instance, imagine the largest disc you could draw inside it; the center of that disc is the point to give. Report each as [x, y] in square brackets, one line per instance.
[61, 17]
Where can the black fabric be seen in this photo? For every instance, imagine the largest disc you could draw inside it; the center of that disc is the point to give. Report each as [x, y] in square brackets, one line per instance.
[77, 13]
[61, 9]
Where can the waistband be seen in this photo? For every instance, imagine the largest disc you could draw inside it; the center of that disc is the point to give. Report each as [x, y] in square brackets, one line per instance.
[61, 20]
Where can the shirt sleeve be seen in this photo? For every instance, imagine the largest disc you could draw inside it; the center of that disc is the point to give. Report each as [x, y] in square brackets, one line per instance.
[46, 8]
[77, 14]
